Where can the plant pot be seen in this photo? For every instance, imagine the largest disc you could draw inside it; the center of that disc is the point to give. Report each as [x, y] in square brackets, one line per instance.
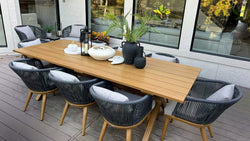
[49, 34]
[129, 51]
[140, 61]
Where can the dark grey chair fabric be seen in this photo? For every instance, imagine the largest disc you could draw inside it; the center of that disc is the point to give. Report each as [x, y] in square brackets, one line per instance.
[66, 31]
[38, 32]
[122, 113]
[34, 79]
[75, 92]
[201, 111]
[165, 54]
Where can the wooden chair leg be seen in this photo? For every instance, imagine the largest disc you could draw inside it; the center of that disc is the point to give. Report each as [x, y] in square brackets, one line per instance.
[210, 131]
[165, 127]
[38, 97]
[128, 135]
[64, 112]
[104, 126]
[27, 101]
[84, 119]
[203, 134]
[43, 106]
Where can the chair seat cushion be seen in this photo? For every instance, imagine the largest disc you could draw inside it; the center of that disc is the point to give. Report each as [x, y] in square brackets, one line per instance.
[165, 58]
[64, 76]
[75, 31]
[72, 38]
[168, 110]
[30, 43]
[110, 95]
[21, 65]
[223, 94]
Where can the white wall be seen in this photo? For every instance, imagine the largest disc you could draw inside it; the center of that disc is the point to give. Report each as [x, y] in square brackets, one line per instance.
[11, 18]
[72, 12]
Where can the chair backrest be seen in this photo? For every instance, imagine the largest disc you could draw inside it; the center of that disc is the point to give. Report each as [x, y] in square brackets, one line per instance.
[75, 92]
[176, 60]
[34, 79]
[201, 111]
[122, 113]
[24, 33]
[66, 31]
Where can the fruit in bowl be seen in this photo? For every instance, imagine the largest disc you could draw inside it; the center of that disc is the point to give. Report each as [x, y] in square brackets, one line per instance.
[101, 52]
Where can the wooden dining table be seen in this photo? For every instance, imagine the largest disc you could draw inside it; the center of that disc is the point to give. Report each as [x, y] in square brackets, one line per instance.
[159, 78]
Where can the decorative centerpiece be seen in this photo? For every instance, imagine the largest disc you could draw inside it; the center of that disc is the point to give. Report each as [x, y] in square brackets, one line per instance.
[72, 49]
[101, 52]
[48, 29]
[129, 48]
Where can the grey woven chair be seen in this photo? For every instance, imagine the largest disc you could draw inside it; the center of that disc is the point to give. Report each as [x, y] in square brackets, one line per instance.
[38, 32]
[199, 112]
[36, 80]
[165, 54]
[76, 94]
[66, 32]
[123, 115]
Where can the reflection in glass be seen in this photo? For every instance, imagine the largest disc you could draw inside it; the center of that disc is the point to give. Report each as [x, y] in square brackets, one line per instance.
[100, 8]
[2, 32]
[223, 28]
[40, 13]
[168, 27]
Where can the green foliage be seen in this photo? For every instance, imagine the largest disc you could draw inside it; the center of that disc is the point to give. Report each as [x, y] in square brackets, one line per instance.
[137, 32]
[48, 28]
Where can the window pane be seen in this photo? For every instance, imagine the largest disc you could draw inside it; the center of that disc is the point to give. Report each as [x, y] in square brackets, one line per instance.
[40, 13]
[100, 8]
[2, 32]
[223, 28]
[168, 27]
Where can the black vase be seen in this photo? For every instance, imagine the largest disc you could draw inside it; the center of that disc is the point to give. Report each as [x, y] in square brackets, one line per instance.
[129, 50]
[140, 61]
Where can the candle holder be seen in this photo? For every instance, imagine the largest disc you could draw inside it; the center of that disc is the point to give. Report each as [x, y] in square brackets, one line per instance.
[85, 37]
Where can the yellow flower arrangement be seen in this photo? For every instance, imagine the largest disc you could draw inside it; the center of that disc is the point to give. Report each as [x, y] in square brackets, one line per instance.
[221, 8]
[102, 36]
[161, 11]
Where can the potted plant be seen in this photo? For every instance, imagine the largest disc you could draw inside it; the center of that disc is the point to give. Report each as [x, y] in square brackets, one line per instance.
[48, 29]
[130, 46]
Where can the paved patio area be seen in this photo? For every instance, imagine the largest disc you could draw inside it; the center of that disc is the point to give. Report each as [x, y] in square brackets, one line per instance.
[16, 125]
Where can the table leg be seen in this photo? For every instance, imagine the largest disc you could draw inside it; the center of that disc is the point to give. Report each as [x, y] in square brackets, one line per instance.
[152, 119]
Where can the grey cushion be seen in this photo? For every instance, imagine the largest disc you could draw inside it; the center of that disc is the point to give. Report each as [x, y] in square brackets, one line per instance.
[223, 94]
[21, 65]
[75, 31]
[168, 110]
[110, 95]
[64, 76]
[27, 31]
[30, 43]
[72, 38]
[162, 57]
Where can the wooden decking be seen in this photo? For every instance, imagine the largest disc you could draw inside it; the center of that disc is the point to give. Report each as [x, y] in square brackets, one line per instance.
[16, 125]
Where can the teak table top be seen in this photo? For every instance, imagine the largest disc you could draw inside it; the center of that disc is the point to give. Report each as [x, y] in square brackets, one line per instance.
[160, 78]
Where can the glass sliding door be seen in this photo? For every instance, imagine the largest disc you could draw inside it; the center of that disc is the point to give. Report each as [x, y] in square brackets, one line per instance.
[99, 9]
[222, 28]
[168, 27]
[40, 13]
[2, 32]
